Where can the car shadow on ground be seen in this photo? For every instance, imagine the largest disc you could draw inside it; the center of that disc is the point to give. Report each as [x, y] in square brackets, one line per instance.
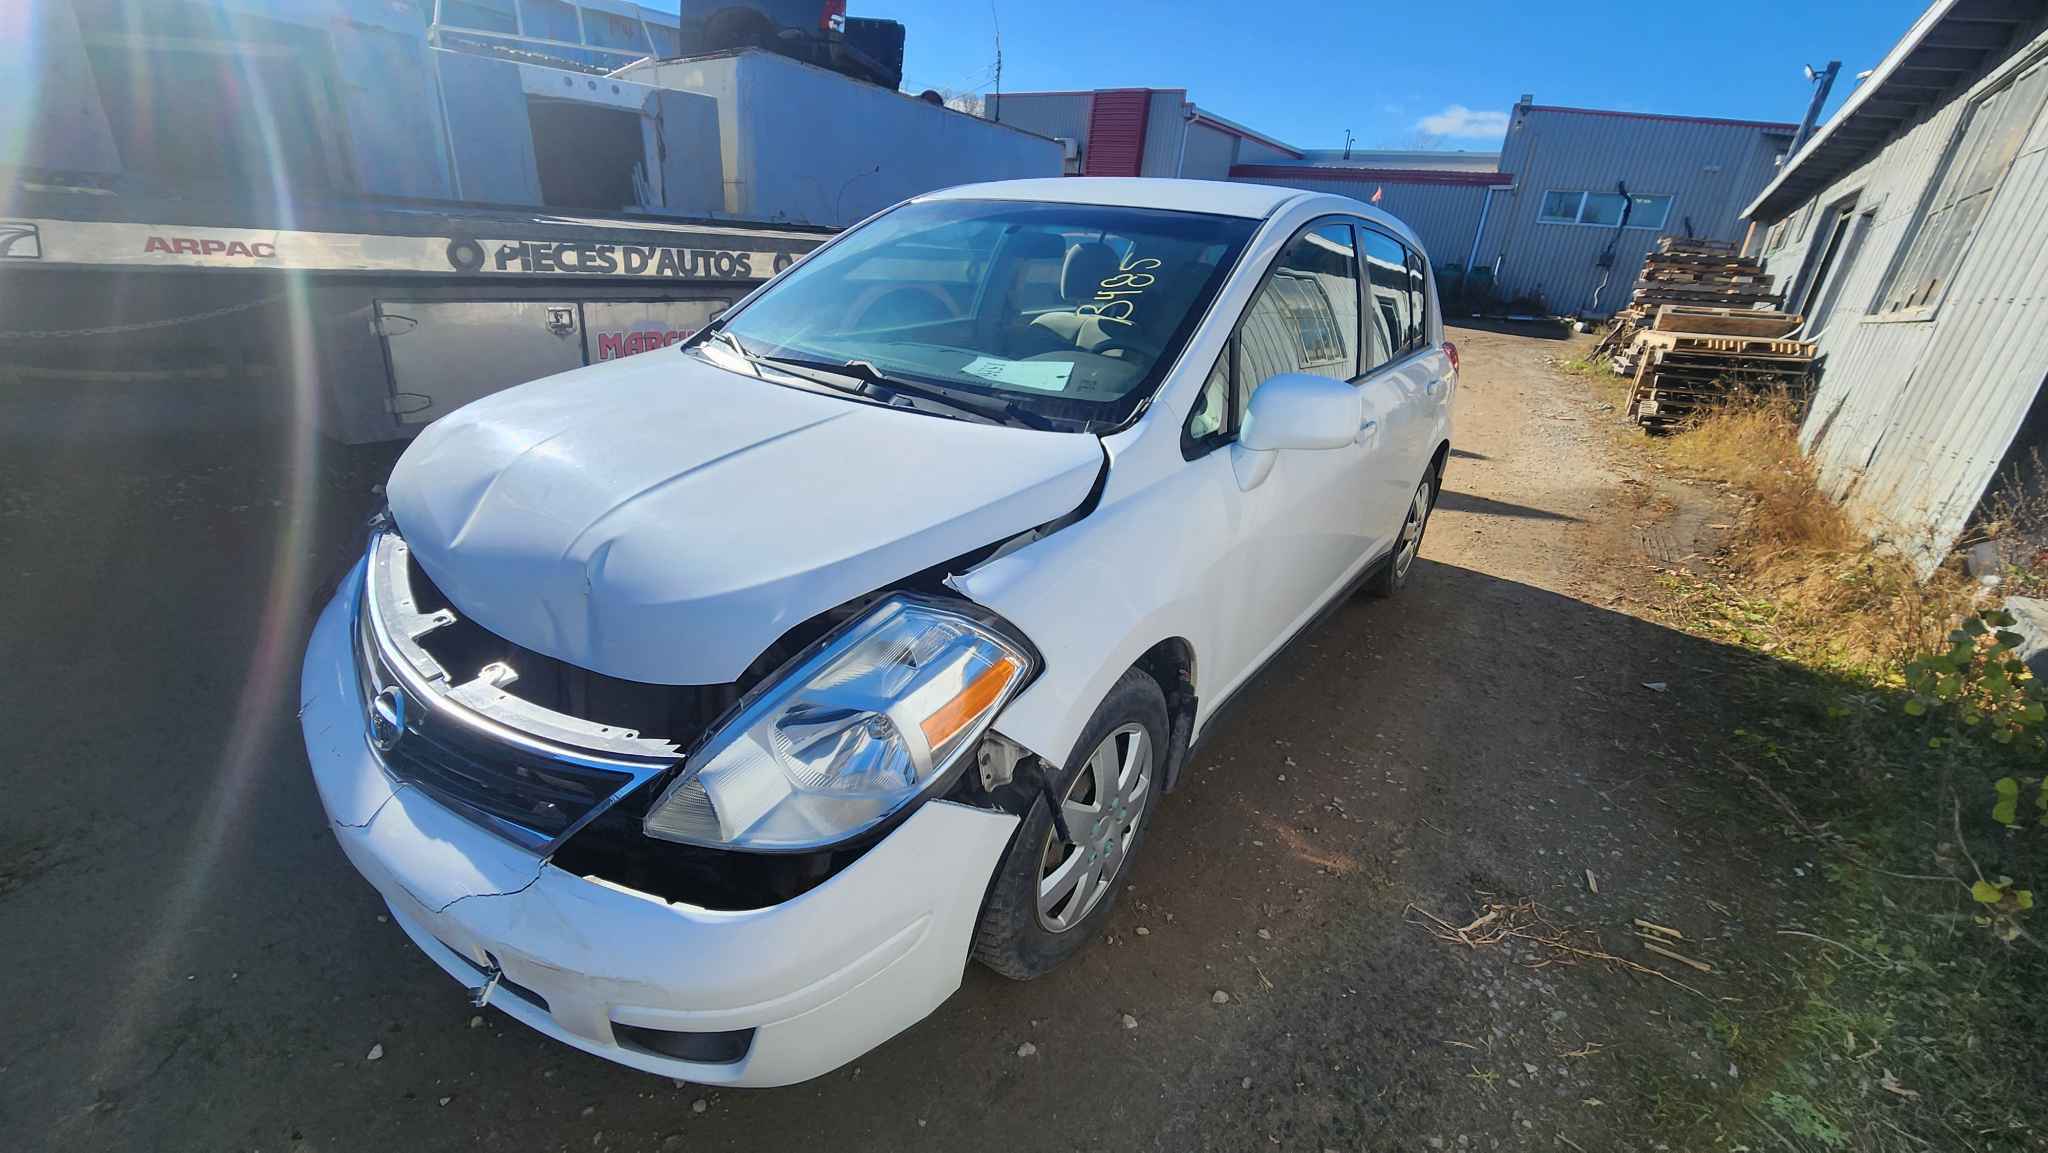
[201, 940]
[1454, 501]
[1477, 743]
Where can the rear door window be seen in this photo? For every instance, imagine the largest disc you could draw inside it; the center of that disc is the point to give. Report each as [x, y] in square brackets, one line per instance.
[1390, 307]
[1418, 301]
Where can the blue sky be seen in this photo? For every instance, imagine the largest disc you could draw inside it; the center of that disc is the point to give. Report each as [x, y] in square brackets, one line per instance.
[1306, 70]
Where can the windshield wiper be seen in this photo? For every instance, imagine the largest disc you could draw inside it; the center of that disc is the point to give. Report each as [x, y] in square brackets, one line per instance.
[730, 341]
[992, 409]
[713, 334]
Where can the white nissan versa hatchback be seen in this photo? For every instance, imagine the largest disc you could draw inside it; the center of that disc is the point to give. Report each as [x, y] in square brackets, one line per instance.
[708, 710]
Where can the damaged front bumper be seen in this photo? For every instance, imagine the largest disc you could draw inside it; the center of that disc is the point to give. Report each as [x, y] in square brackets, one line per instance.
[765, 996]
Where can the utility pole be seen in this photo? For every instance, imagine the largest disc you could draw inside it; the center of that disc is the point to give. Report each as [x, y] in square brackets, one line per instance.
[1347, 144]
[1822, 82]
[998, 22]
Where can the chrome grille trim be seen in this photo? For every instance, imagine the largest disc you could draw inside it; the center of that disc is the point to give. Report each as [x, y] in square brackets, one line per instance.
[388, 626]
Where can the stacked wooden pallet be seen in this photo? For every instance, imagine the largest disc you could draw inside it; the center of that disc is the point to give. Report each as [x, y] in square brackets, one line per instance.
[1692, 358]
[1628, 344]
[1701, 272]
[1684, 273]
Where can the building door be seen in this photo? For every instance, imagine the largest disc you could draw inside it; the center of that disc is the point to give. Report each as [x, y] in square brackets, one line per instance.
[1828, 280]
[445, 353]
[1820, 259]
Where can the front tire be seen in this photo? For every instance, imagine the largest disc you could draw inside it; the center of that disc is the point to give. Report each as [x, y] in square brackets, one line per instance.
[1049, 896]
[1393, 576]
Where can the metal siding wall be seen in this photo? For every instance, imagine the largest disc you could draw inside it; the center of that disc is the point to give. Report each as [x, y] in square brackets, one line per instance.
[1117, 122]
[1061, 114]
[1711, 171]
[1444, 216]
[692, 179]
[489, 130]
[1913, 418]
[808, 146]
[1210, 153]
[1165, 122]
[387, 89]
[49, 99]
[1258, 152]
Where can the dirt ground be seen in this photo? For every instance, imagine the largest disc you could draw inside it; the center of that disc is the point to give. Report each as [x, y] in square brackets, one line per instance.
[192, 964]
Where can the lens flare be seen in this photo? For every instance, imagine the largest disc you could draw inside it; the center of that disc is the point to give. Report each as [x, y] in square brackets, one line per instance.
[272, 670]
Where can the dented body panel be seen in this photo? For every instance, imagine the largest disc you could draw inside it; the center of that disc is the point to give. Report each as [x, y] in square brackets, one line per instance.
[673, 522]
[820, 979]
[664, 520]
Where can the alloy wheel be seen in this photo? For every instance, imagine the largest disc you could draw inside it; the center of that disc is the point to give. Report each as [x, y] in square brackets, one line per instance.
[1102, 810]
[1411, 530]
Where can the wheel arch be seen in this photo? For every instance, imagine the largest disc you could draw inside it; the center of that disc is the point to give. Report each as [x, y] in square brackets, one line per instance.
[1171, 663]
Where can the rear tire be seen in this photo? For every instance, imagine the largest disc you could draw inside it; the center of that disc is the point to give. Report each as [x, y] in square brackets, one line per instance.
[1393, 575]
[1029, 923]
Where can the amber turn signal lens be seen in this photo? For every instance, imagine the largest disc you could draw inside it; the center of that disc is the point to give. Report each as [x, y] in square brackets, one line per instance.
[959, 712]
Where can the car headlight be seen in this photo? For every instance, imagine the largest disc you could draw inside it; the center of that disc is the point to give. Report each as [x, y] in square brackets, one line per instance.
[864, 723]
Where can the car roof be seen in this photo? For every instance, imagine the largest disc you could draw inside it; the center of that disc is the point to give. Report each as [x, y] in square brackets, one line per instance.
[1217, 197]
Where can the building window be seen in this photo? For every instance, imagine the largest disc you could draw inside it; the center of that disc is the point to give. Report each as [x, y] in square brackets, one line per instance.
[668, 41]
[1805, 223]
[1603, 209]
[1561, 207]
[608, 30]
[549, 20]
[484, 15]
[1984, 150]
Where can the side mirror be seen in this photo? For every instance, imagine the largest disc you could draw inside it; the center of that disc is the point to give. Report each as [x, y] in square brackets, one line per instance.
[1296, 410]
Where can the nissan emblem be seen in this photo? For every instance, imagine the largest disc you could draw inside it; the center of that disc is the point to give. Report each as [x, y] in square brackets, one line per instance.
[387, 719]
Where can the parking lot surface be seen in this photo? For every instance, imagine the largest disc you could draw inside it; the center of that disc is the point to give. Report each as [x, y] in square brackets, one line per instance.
[192, 964]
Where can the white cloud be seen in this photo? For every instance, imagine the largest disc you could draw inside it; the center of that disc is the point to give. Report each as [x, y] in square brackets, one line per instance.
[1458, 120]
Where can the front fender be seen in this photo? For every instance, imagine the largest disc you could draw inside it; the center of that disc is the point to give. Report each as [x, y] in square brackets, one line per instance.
[1096, 595]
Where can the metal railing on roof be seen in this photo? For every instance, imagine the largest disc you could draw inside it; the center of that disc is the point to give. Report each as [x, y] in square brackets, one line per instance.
[581, 53]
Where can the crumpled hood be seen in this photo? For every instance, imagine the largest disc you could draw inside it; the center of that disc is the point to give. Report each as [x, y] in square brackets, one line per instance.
[660, 519]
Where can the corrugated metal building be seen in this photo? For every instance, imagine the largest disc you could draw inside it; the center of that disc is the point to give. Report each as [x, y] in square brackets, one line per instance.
[1444, 207]
[796, 142]
[1138, 132]
[1574, 201]
[1913, 231]
[1433, 159]
[1558, 234]
[1564, 236]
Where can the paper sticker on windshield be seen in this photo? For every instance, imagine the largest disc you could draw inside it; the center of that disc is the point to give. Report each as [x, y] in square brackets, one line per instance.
[1043, 375]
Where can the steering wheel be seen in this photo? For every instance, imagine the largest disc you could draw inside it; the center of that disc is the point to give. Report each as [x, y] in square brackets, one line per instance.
[1114, 344]
[901, 307]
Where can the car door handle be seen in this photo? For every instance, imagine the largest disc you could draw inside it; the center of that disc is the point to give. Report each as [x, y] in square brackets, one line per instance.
[1434, 385]
[1367, 430]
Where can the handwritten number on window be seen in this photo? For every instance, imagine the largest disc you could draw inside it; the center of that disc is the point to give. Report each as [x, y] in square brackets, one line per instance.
[1117, 293]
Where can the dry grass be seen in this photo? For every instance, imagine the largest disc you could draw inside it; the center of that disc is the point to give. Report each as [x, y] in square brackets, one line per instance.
[1530, 923]
[2015, 523]
[1835, 595]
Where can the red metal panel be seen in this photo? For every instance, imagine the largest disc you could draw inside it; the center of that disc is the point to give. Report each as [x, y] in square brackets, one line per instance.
[1116, 132]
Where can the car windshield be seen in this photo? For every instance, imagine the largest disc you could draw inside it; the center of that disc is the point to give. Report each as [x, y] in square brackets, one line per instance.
[1064, 314]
